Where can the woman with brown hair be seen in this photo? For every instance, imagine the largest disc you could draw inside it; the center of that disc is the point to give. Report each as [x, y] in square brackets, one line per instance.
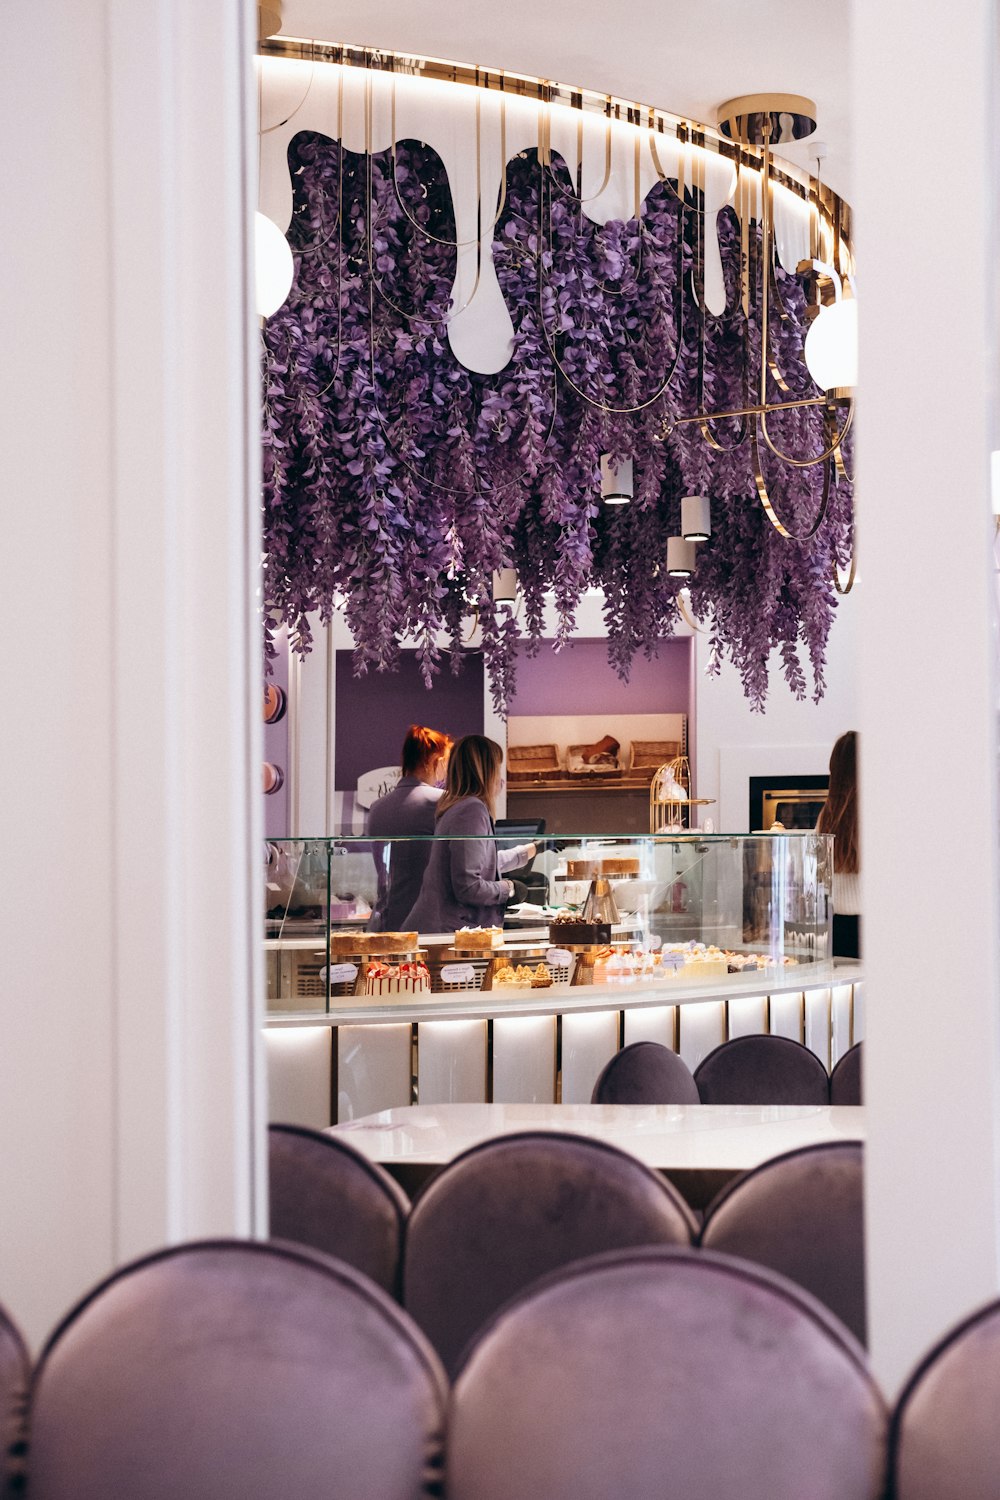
[840, 817]
[463, 884]
[407, 809]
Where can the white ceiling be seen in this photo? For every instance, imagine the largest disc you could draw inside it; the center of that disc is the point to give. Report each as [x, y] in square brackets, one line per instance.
[687, 59]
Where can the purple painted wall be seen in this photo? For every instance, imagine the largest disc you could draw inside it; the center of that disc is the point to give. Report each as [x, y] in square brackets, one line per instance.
[579, 679]
[276, 750]
[373, 713]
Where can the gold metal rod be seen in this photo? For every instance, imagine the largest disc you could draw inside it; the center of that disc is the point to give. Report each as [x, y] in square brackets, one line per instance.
[765, 256]
[751, 411]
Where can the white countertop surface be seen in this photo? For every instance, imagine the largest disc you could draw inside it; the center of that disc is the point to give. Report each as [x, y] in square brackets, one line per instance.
[565, 999]
[679, 1137]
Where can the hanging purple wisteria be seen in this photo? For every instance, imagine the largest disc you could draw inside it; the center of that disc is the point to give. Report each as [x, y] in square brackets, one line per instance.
[396, 480]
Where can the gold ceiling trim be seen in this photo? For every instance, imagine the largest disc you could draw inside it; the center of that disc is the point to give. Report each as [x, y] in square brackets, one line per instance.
[547, 91]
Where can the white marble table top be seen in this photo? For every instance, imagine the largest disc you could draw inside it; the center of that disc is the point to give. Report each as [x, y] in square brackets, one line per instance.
[669, 1137]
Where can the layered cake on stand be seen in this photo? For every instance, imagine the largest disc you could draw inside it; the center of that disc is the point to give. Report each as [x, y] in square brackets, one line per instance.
[347, 944]
[397, 981]
[523, 977]
[478, 939]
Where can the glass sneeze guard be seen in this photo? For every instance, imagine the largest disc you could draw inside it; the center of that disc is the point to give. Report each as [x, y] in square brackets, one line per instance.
[692, 907]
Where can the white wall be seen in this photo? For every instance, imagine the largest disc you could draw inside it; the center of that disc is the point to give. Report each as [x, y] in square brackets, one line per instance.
[130, 1099]
[930, 872]
[732, 743]
[57, 1063]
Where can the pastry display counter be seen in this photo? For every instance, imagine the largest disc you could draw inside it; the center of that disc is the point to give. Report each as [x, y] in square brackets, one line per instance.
[707, 937]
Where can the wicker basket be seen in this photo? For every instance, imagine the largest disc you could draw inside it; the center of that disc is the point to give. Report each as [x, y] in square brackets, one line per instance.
[649, 755]
[533, 763]
[592, 773]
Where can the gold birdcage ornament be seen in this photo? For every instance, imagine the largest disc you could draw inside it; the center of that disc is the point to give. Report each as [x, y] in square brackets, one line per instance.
[670, 797]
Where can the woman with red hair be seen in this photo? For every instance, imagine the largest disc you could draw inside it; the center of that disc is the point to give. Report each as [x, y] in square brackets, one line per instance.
[408, 809]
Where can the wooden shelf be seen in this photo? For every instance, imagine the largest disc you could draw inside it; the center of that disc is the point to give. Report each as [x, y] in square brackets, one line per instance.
[582, 784]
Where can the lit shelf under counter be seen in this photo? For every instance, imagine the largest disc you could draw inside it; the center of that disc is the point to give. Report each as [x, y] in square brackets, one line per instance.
[545, 1047]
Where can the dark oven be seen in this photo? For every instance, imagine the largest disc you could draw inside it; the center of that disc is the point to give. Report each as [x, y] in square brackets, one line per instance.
[793, 801]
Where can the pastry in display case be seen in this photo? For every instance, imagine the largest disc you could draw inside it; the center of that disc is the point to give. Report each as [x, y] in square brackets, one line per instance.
[629, 914]
[397, 981]
[350, 944]
[478, 939]
[523, 976]
[573, 932]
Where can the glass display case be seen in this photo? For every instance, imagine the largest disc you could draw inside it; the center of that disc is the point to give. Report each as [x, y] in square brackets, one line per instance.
[640, 915]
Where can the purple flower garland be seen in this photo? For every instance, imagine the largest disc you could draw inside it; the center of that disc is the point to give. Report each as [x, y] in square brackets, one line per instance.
[396, 480]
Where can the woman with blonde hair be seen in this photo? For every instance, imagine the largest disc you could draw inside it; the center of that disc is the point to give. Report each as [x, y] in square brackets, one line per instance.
[406, 810]
[840, 817]
[463, 884]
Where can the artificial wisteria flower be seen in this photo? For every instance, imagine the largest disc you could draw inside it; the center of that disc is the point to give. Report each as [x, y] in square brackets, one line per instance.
[396, 480]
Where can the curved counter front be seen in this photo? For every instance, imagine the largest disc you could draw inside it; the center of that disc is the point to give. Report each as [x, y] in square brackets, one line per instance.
[537, 1046]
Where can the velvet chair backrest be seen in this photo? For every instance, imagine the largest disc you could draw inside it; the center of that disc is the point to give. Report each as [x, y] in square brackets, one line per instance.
[236, 1371]
[845, 1080]
[802, 1214]
[665, 1374]
[515, 1208]
[15, 1368]
[762, 1070]
[646, 1073]
[325, 1194]
[946, 1432]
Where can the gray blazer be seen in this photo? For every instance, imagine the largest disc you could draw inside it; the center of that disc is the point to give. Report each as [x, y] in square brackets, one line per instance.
[408, 809]
[462, 885]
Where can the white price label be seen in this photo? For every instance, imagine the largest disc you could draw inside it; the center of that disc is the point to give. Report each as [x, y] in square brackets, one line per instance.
[343, 973]
[559, 958]
[457, 974]
[654, 942]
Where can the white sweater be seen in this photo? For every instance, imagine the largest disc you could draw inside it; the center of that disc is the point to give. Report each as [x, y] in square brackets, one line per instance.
[846, 894]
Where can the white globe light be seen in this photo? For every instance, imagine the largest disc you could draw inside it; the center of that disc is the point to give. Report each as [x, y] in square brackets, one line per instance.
[831, 347]
[273, 265]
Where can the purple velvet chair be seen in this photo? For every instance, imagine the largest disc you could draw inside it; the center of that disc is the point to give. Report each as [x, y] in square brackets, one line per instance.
[665, 1373]
[515, 1208]
[946, 1436]
[237, 1371]
[762, 1070]
[646, 1073]
[324, 1193]
[845, 1080]
[15, 1367]
[801, 1214]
